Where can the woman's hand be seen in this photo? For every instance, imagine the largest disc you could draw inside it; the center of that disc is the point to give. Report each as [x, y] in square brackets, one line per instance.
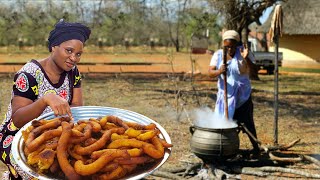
[244, 51]
[222, 69]
[58, 105]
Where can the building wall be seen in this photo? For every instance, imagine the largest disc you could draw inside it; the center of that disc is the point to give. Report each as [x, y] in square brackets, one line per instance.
[299, 47]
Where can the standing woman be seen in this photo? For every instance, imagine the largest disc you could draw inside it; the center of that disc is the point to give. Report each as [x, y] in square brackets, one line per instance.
[239, 62]
[41, 86]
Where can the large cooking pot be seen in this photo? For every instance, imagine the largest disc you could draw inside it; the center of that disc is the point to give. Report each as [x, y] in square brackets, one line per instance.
[209, 144]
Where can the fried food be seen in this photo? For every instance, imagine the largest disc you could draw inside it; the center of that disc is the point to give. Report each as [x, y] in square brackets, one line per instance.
[115, 136]
[117, 121]
[44, 159]
[115, 174]
[148, 135]
[50, 134]
[62, 155]
[86, 135]
[102, 148]
[155, 150]
[92, 168]
[99, 144]
[134, 143]
[49, 125]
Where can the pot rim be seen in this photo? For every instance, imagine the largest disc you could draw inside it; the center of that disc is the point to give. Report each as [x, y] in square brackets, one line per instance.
[213, 129]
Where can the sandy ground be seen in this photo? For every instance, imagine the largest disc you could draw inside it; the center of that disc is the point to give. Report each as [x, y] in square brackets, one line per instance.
[299, 109]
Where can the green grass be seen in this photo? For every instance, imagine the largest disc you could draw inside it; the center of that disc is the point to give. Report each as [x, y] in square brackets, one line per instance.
[304, 70]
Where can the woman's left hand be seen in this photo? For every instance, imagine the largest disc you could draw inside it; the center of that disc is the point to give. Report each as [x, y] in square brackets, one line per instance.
[244, 51]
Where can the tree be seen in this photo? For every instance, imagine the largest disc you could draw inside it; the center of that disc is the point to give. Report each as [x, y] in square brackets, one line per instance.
[174, 12]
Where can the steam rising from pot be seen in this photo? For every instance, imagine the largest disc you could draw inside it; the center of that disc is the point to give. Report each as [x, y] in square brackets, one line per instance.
[206, 118]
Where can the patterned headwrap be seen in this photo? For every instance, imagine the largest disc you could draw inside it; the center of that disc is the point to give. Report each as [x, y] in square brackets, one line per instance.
[65, 31]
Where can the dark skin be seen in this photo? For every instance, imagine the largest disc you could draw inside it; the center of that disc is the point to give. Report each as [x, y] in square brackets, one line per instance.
[231, 46]
[62, 58]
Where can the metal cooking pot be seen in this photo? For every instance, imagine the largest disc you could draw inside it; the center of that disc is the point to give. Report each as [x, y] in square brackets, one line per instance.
[208, 143]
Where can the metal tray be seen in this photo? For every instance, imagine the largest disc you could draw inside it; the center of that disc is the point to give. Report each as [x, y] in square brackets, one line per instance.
[84, 113]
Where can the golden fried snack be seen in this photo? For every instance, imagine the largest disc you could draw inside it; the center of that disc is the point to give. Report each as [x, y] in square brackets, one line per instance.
[44, 159]
[109, 167]
[97, 154]
[135, 160]
[96, 127]
[126, 143]
[133, 132]
[115, 136]
[103, 148]
[103, 121]
[92, 168]
[110, 126]
[164, 143]
[150, 126]
[36, 123]
[49, 125]
[90, 141]
[129, 167]
[117, 121]
[99, 144]
[138, 126]
[87, 134]
[135, 152]
[50, 134]
[62, 156]
[76, 133]
[115, 174]
[75, 155]
[25, 133]
[155, 150]
[148, 135]
[79, 127]
[54, 168]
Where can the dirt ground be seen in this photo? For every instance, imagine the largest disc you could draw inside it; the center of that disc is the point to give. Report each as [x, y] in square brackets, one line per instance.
[298, 109]
[299, 115]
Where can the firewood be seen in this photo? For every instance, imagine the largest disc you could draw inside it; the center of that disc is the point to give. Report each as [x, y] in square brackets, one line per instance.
[167, 175]
[311, 159]
[191, 168]
[288, 170]
[249, 171]
[276, 158]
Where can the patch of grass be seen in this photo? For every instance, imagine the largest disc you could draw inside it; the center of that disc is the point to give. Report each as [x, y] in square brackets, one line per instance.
[304, 70]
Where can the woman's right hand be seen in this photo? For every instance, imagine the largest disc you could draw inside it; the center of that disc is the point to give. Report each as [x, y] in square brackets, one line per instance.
[58, 105]
[222, 69]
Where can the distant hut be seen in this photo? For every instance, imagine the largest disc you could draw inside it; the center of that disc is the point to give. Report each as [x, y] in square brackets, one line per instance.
[199, 44]
[301, 31]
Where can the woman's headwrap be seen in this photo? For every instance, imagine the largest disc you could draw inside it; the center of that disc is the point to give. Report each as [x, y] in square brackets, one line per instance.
[231, 34]
[65, 31]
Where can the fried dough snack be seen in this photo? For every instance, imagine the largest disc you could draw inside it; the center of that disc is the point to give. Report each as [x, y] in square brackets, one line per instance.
[102, 148]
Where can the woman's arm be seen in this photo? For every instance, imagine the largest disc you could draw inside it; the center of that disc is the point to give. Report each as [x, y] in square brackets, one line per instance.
[77, 99]
[25, 110]
[214, 72]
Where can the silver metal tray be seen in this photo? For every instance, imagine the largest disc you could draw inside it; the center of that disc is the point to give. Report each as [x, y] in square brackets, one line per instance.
[84, 113]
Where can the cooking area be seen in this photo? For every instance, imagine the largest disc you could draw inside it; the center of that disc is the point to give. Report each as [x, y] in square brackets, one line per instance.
[157, 90]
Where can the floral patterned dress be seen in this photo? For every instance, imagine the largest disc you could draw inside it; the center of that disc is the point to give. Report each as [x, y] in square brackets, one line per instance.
[32, 82]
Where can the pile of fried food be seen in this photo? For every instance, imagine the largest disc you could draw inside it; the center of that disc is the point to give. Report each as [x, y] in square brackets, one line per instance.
[102, 148]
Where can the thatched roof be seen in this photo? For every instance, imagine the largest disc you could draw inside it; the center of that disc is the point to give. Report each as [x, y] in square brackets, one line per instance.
[299, 18]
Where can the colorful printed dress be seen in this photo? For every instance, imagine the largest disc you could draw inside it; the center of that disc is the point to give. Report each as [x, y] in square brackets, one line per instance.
[32, 82]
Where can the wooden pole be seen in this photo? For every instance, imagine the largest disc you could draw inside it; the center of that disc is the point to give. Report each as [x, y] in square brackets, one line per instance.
[225, 51]
[276, 88]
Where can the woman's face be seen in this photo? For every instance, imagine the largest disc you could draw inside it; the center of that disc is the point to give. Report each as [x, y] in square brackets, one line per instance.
[67, 54]
[231, 46]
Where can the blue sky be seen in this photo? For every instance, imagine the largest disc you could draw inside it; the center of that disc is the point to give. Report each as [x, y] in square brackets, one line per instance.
[266, 14]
